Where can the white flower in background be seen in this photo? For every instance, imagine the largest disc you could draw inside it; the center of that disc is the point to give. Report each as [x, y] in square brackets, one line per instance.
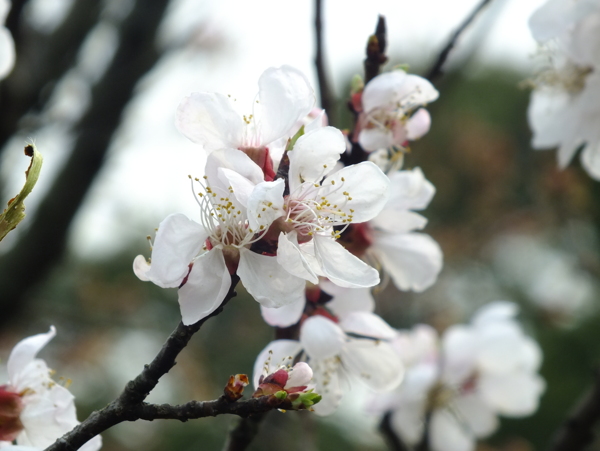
[392, 110]
[353, 347]
[284, 98]
[7, 45]
[564, 111]
[35, 410]
[479, 371]
[550, 277]
[219, 246]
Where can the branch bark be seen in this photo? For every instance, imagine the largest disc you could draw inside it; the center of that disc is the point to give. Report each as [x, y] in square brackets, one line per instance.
[129, 406]
[244, 432]
[391, 438]
[376, 51]
[43, 244]
[578, 430]
[327, 97]
[436, 68]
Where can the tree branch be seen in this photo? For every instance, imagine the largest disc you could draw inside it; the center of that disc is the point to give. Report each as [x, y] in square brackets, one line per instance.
[244, 432]
[578, 430]
[327, 98]
[42, 245]
[129, 406]
[436, 69]
[391, 438]
[376, 51]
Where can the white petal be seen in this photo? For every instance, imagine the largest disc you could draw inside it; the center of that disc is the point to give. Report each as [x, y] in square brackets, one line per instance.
[478, 416]
[379, 92]
[514, 395]
[267, 281]
[209, 119]
[556, 16]
[205, 288]
[590, 159]
[314, 155]
[447, 433]
[284, 316]
[241, 186]
[285, 97]
[375, 362]
[232, 159]
[348, 300]
[360, 190]
[501, 347]
[398, 221]
[418, 124]
[375, 138]
[293, 260]
[7, 52]
[25, 351]
[495, 311]
[328, 385]
[274, 354]
[408, 422]
[141, 268]
[321, 338]
[341, 267]
[178, 240]
[266, 200]
[413, 260]
[368, 325]
[459, 347]
[299, 376]
[409, 190]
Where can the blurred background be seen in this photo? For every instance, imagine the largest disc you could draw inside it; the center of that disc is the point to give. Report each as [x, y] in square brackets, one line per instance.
[96, 86]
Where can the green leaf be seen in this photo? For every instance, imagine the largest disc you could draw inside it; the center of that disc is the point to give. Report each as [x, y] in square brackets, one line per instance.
[15, 211]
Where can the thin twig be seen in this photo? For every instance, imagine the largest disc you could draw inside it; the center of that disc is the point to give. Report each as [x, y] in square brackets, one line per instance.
[578, 430]
[391, 438]
[376, 51]
[129, 406]
[327, 98]
[436, 69]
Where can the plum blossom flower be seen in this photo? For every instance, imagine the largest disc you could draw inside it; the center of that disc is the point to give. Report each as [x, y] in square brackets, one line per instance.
[392, 110]
[320, 203]
[218, 246]
[210, 119]
[564, 111]
[477, 372]
[35, 410]
[353, 347]
[7, 45]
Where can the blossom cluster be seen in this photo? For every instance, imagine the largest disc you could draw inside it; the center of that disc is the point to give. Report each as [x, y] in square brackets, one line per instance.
[464, 380]
[565, 102]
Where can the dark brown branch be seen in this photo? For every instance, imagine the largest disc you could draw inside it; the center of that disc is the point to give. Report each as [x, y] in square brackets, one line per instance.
[43, 244]
[41, 61]
[129, 406]
[376, 51]
[436, 68]
[244, 432]
[391, 438]
[578, 430]
[327, 98]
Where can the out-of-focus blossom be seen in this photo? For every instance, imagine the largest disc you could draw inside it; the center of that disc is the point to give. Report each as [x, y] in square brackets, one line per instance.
[7, 45]
[477, 372]
[565, 103]
[34, 410]
[549, 277]
[199, 258]
[412, 259]
[392, 112]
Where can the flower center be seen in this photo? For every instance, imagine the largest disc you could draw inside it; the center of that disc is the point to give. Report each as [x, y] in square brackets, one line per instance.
[11, 406]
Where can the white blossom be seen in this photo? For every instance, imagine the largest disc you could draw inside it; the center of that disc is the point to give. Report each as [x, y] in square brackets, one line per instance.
[44, 410]
[7, 45]
[392, 110]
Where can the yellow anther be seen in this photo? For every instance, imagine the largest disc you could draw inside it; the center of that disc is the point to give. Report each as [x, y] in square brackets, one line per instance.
[333, 182]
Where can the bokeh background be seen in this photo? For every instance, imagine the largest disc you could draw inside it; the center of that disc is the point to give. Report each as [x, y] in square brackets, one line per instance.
[96, 86]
